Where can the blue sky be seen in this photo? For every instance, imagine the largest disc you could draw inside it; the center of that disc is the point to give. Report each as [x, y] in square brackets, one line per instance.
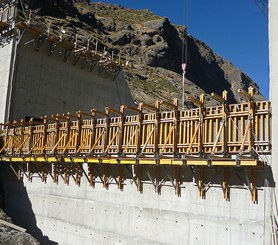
[236, 30]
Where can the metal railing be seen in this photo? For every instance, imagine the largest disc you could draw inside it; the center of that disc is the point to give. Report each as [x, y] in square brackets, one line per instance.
[7, 12]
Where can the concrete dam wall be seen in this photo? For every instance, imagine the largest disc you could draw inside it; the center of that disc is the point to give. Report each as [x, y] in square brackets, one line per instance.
[39, 83]
[68, 214]
[46, 84]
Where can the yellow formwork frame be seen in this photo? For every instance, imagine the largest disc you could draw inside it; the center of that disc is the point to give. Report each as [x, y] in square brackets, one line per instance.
[200, 137]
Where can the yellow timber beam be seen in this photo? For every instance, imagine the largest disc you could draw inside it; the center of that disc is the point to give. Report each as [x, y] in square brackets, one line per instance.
[141, 161]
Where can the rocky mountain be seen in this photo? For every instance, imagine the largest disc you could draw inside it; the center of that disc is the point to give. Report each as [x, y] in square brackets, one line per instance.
[151, 44]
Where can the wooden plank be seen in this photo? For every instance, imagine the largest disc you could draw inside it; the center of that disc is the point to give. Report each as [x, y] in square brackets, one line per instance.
[13, 226]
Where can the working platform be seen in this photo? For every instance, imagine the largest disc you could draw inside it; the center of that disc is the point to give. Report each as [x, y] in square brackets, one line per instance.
[159, 136]
[221, 135]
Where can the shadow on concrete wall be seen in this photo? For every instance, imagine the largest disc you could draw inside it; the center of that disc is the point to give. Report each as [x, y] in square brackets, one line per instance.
[237, 177]
[17, 205]
[213, 177]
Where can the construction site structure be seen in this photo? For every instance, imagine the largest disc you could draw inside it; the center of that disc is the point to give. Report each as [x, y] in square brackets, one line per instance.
[21, 95]
[54, 167]
[226, 135]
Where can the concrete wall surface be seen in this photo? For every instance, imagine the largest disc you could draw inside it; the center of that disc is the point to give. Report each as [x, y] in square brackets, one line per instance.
[273, 60]
[45, 84]
[69, 214]
[6, 69]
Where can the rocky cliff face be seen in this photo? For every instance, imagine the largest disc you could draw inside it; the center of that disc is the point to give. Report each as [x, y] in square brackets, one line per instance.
[152, 45]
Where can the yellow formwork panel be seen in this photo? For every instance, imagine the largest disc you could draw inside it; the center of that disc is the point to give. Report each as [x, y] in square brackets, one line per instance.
[31, 159]
[109, 161]
[113, 161]
[16, 159]
[93, 160]
[249, 162]
[78, 160]
[68, 159]
[177, 162]
[128, 161]
[52, 159]
[40, 159]
[143, 161]
[147, 161]
[223, 163]
[168, 161]
[197, 162]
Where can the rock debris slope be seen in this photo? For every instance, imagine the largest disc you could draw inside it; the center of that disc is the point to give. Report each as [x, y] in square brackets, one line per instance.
[9, 236]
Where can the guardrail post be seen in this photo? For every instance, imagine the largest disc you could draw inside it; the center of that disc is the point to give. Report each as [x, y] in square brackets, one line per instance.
[176, 127]
[251, 118]
[157, 126]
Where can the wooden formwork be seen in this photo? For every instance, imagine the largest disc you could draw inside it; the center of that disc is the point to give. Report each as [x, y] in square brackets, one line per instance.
[149, 133]
[147, 137]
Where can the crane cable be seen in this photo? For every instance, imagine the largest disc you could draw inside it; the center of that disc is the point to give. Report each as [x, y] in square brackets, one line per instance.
[184, 48]
[184, 38]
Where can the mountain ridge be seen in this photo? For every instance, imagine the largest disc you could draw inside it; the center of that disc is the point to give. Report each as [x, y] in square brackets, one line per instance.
[152, 45]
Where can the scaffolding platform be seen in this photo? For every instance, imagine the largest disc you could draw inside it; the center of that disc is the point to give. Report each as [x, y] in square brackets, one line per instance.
[228, 135]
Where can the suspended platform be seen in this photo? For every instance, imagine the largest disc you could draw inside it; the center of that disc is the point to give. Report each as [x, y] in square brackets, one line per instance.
[224, 136]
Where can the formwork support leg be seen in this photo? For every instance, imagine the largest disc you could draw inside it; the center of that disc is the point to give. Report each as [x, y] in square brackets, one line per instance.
[66, 173]
[15, 172]
[177, 181]
[23, 170]
[139, 179]
[55, 173]
[201, 182]
[253, 185]
[43, 175]
[168, 176]
[120, 177]
[20, 172]
[104, 176]
[157, 184]
[150, 177]
[29, 172]
[225, 185]
[91, 176]
[37, 171]
[98, 174]
[47, 171]
[77, 175]
[131, 173]
[112, 176]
